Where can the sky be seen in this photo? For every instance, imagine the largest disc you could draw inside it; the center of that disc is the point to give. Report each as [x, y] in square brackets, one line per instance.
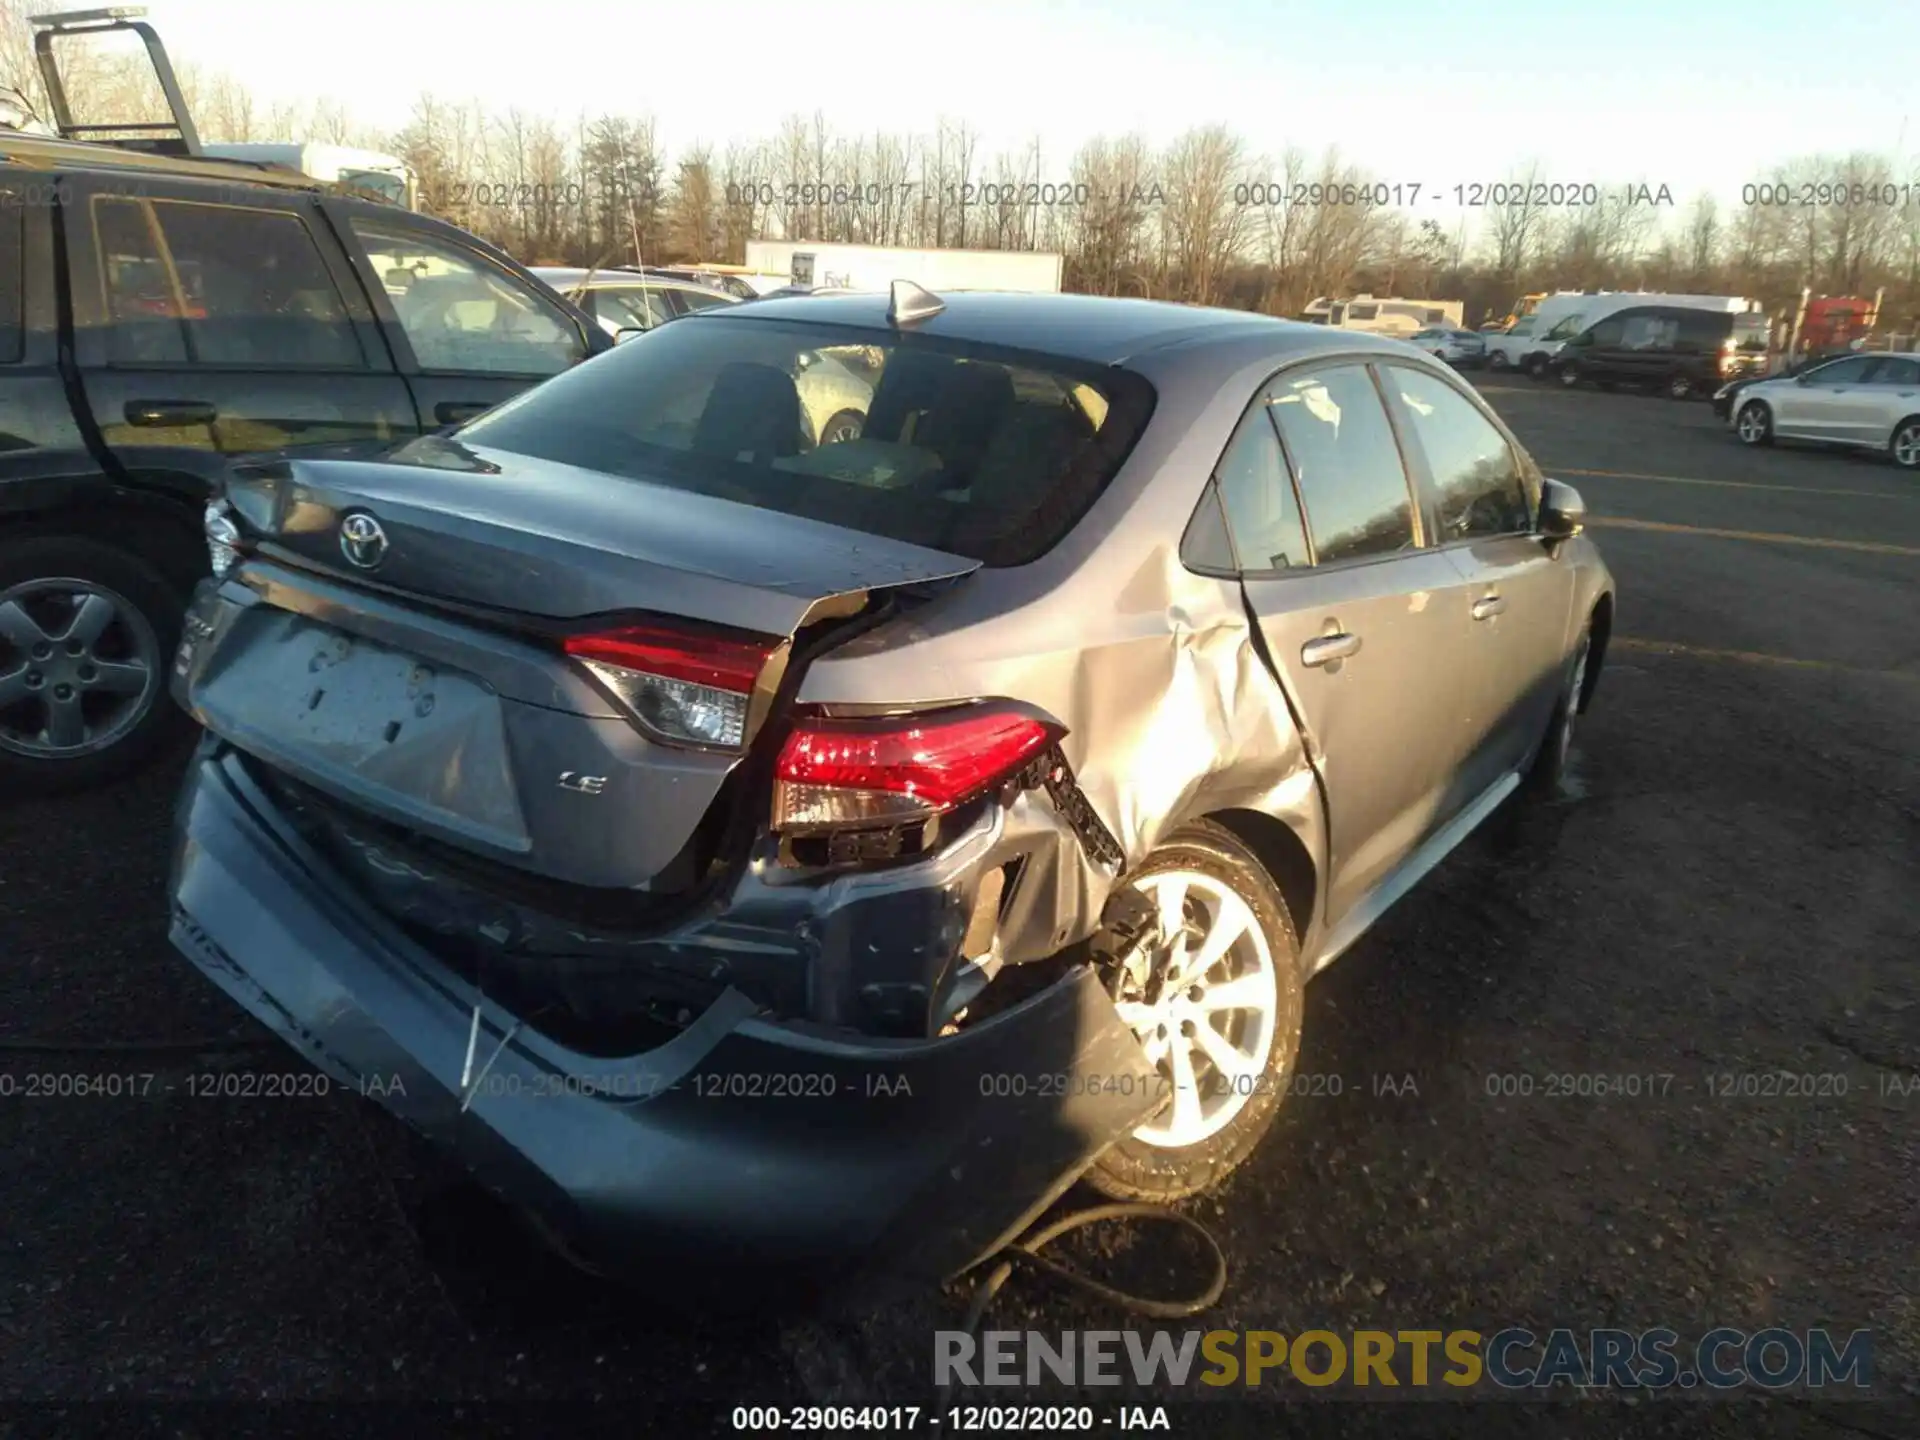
[1692, 94]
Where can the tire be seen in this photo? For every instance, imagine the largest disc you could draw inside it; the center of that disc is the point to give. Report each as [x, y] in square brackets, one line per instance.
[1551, 761]
[1679, 386]
[1223, 882]
[1903, 448]
[1754, 423]
[46, 582]
[842, 425]
[1569, 376]
[1536, 366]
[1498, 361]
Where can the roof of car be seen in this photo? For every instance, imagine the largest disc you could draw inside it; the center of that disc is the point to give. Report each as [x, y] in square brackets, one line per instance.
[40, 152]
[1094, 328]
[567, 277]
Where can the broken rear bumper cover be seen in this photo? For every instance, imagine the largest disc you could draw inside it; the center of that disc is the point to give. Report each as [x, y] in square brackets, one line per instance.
[742, 1139]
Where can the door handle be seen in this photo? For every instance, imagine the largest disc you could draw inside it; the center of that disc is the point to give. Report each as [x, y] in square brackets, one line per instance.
[1327, 648]
[167, 414]
[452, 412]
[1488, 606]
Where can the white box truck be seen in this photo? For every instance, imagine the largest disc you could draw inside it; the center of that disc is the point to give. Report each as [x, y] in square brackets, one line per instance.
[876, 267]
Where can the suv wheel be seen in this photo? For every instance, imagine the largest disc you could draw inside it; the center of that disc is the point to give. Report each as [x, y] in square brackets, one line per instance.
[1754, 425]
[1537, 365]
[1550, 764]
[1679, 386]
[1569, 375]
[86, 633]
[1217, 1009]
[1905, 445]
[1498, 360]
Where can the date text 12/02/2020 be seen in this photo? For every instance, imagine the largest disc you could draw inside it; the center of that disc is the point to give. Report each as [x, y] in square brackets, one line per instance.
[1150, 194]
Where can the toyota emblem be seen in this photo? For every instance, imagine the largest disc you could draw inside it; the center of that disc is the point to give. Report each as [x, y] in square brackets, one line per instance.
[362, 540]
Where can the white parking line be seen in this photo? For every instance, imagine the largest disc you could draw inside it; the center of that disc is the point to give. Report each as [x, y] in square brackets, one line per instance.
[1749, 657]
[1734, 484]
[1870, 547]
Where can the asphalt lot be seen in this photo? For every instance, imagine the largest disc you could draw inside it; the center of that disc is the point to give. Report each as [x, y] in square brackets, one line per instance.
[1732, 888]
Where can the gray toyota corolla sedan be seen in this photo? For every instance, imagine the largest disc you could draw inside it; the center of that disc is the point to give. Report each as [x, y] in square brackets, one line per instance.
[735, 846]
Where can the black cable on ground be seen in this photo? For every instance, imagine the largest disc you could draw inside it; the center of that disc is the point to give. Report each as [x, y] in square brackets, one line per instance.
[1025, 1251]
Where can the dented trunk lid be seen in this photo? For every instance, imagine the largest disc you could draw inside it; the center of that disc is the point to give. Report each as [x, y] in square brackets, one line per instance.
[407, 689]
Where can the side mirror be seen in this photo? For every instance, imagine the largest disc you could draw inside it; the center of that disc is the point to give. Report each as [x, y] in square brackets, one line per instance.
[1563, 514]
[626, 333]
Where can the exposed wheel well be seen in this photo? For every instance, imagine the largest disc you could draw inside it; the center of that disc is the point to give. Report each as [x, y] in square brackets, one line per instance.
[1902, 424]
[164, 532]
[1599, 629]
[1285, 858]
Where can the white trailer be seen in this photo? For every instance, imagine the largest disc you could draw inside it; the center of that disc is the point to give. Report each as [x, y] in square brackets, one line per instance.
[876, 267]
[1384, 314]
[387, 176]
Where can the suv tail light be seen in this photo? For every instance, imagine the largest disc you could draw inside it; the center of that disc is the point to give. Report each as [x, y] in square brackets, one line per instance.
[902, 769]
[682, 687]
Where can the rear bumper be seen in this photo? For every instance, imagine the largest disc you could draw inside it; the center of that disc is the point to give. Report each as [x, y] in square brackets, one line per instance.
[739, 1142]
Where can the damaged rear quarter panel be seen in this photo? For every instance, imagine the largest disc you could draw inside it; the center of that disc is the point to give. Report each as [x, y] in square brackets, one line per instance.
[1171, 712]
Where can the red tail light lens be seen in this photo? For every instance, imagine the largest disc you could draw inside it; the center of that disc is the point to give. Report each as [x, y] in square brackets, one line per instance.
[865, 772]
[682, 687]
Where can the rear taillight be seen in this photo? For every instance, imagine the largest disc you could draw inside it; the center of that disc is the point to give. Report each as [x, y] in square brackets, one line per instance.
[684, 688]
[834, 773]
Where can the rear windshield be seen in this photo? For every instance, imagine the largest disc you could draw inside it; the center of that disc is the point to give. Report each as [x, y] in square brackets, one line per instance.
[992, 455]
[1750, 331]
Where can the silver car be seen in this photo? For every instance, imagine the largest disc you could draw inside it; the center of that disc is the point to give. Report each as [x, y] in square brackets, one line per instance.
[1462, 349]
[1867, 401]
[806, 855]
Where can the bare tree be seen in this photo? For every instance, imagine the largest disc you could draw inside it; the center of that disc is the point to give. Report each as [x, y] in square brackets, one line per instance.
[1203, 220]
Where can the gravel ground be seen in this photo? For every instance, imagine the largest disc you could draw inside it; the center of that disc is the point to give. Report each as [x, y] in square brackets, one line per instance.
[1728, 890]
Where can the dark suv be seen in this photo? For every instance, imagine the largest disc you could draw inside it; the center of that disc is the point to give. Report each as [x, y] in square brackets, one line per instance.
[160, 314]
[1684, 352]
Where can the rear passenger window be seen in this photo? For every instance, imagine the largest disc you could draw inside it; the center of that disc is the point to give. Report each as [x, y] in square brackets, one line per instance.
[1344, 456]
[220, 285]
[1897, 372]
[145, 302]
[1262, 514]
[1478, 489]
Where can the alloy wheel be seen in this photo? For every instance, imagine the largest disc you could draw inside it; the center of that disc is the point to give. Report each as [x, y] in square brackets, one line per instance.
[1203, 1006]
[1752, 424]
[1576, 682]
[79, 667]
[1906, 446]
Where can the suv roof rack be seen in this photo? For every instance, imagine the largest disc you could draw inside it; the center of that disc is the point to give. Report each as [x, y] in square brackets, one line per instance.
[175, 137]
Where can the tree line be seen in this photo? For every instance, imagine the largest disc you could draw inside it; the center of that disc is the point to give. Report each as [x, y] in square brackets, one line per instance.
[1206, 219]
